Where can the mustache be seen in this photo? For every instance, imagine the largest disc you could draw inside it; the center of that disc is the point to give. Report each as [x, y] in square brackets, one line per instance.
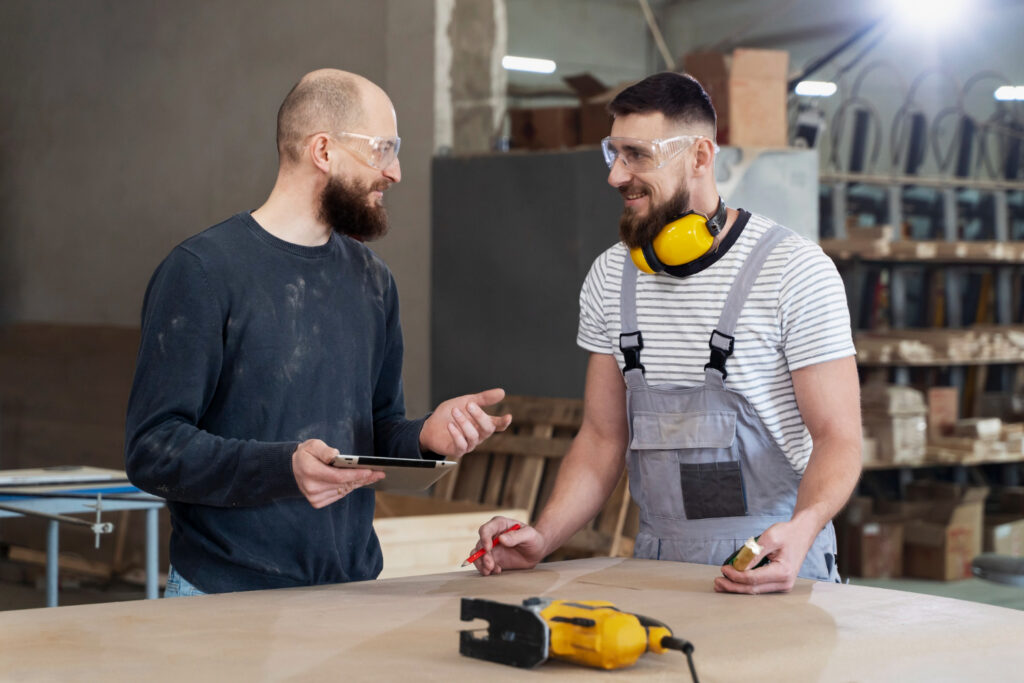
[633, 189]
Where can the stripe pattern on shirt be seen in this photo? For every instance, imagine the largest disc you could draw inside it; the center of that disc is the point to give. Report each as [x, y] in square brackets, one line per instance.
[796, 315]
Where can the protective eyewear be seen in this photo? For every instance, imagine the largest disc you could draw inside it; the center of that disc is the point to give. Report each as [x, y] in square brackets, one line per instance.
[646, 155]
[378, 152]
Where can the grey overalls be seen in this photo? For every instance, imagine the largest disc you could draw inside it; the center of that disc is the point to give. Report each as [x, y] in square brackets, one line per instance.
[703, 469]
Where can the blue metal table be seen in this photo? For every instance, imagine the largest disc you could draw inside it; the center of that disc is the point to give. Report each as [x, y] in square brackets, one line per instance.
[81, 500]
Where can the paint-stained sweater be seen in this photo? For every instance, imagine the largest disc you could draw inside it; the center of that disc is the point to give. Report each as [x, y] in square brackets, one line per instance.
[251, 345]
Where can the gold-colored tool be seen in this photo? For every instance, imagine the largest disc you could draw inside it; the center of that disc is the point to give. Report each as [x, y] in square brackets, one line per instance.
[745, 554]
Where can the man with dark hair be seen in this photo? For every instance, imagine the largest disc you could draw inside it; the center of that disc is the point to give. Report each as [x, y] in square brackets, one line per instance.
[270, 344]
[768, 448]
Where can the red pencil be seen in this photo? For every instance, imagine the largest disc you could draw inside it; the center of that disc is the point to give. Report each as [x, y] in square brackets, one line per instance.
[480, 553]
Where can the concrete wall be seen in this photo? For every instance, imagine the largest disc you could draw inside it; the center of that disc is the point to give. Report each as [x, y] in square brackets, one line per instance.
[125, 127]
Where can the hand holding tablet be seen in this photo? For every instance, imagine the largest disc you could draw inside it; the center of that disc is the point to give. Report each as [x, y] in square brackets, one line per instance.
[401, 474]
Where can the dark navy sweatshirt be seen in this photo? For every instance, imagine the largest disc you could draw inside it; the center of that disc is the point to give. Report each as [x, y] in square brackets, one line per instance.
[251, 345]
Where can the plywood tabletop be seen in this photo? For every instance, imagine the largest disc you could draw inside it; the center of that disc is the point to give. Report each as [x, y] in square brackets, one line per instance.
[408, 629]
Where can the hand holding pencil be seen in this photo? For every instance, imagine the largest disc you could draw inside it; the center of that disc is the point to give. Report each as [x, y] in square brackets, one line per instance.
[512, 545]
[481, 552]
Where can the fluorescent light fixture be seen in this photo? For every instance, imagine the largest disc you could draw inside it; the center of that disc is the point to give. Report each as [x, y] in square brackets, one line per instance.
[1009, 93]
[537, 66]
[929, 14]
[816, 88]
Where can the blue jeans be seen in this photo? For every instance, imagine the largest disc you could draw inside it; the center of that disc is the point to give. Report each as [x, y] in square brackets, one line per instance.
[178, 586]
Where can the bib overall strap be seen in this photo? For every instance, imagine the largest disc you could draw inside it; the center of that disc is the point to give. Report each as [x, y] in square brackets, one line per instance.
[631, 342]
[722, 339]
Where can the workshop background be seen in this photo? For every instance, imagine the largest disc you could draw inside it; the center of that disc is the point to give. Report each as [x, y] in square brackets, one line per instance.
[888, 131]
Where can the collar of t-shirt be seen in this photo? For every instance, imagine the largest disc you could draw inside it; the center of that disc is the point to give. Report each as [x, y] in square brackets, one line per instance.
[709, 259]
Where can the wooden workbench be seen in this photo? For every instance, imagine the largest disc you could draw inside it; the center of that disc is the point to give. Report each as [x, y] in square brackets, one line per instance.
[407, 629]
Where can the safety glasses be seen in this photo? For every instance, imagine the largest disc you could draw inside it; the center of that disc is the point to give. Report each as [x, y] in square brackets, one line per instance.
[378, 152]
[645, 155]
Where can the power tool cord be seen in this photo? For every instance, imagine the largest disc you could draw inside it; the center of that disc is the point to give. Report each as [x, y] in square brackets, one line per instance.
[684, 646]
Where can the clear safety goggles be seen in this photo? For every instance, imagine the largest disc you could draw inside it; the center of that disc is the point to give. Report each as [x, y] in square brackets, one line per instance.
[646, 155]
[378, 152]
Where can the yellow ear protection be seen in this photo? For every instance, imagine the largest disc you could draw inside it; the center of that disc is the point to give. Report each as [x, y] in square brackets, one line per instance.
[685, 239]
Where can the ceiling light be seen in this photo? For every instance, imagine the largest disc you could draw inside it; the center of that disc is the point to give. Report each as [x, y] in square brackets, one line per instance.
[816, 88]
[539, 66]
[929, 14]
[1007, 93]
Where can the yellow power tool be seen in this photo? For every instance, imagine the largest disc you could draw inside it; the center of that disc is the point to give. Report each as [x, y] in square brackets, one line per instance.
[591, 633]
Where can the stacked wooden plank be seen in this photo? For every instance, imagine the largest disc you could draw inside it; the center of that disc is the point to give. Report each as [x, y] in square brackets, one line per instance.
[972, 345]
[894, 423]
[978, 440]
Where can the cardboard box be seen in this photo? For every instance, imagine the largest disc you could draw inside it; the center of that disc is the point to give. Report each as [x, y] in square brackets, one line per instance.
[595, 121]
[545, 128]
[1004, 534]
[943, 543]
[1011, 500]
[943, 410]
[875, 548]
[748, 90]
[870, 544]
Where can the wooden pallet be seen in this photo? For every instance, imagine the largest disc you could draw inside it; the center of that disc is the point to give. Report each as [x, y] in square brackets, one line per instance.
[517, 469]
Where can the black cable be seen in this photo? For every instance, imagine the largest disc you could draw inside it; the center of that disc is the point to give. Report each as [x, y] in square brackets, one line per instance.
[862, 54]
[837, 129]
[684, 646]
[832, 54]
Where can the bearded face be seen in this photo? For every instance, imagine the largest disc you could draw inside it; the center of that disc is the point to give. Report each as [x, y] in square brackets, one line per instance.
[345, 205]
[636, 230]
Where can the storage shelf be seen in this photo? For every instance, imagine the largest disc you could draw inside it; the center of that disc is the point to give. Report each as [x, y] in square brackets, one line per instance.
[927, 347]
[925, 252]
[874, 466]
[833, 177]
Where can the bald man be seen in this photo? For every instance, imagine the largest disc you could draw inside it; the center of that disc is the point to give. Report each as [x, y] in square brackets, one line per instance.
[270, 343]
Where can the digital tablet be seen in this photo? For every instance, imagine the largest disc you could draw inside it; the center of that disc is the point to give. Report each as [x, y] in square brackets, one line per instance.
[403, 474]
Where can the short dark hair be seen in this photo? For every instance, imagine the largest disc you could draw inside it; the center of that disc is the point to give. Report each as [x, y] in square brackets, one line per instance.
[678, 97]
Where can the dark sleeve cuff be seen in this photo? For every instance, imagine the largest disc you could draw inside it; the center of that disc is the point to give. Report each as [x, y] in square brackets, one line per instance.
[401, 439]
[276, 465]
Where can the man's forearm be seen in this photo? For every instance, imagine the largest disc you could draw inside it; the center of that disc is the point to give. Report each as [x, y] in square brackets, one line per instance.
[831, 475]
[587, 476]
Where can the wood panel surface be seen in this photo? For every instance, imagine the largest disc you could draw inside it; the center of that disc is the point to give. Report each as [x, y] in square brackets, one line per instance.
[407, 629]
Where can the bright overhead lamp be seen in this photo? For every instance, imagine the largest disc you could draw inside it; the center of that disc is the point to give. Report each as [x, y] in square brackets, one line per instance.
[1009, 93]
[816, 88]
[537, 66]
[929, 14]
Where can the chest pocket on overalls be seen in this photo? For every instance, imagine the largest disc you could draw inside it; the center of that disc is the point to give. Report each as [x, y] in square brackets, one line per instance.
[686, 464]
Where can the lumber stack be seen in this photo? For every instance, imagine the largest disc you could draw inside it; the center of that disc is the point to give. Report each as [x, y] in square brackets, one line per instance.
[894, 423]
[978, 440]
[977, 344]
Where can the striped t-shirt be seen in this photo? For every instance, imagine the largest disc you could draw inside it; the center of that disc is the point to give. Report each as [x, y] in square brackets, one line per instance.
[796, 315]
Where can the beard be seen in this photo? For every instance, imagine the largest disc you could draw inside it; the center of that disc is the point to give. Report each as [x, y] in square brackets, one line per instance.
[344, 207]
[637, 231]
